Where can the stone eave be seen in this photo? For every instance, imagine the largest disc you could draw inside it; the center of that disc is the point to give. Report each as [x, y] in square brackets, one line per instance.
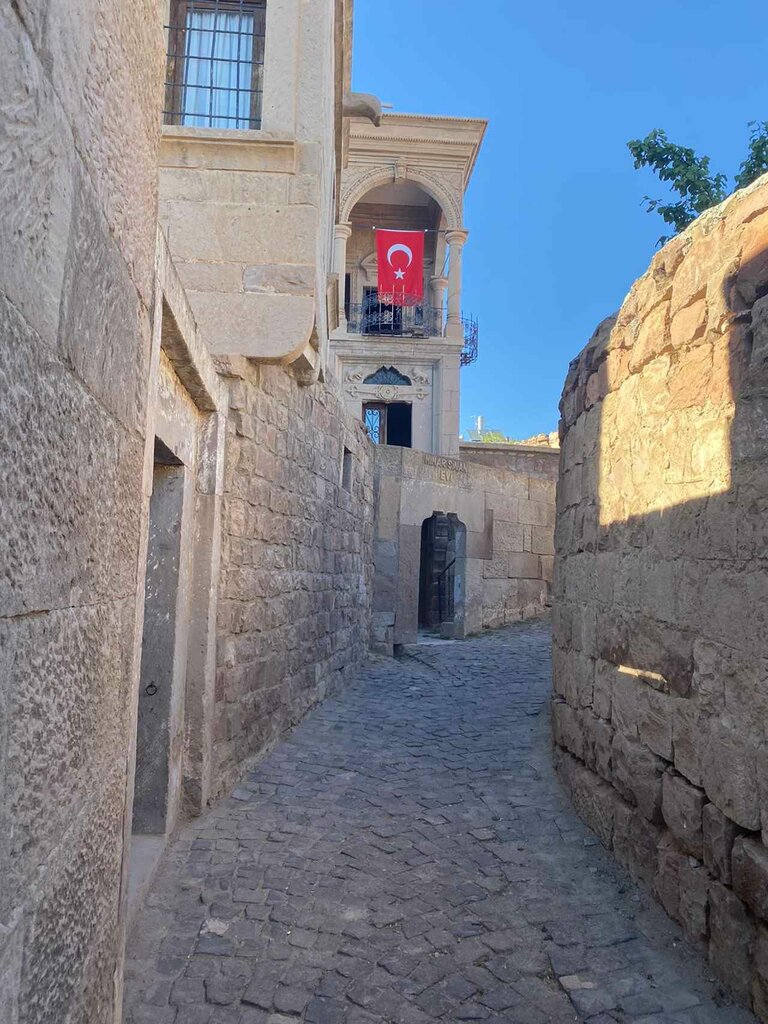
[393, 117]
[440, 134]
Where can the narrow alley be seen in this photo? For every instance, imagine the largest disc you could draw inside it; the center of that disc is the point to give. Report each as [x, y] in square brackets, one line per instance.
[406, 855]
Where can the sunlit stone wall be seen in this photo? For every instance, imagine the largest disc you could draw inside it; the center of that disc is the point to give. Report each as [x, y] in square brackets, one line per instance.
[661, 586]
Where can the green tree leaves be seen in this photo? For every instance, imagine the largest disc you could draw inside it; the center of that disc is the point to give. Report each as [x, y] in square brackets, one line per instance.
[690, 176]
[757, 157]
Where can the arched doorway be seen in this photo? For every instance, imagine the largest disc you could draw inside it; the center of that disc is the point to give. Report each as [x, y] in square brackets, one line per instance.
[441, 574]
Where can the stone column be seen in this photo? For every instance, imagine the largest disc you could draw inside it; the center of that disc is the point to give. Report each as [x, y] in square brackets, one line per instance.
[437, 286]
[340, 235]
[455, 240]
[448, 442]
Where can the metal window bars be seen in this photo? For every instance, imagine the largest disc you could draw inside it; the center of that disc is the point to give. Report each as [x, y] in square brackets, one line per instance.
[469, 352]
[446, 589]
[374, 423]
[215, 65]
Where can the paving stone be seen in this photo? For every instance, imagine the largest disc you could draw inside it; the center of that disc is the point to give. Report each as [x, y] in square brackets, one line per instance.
[251, 1016]
[149, 1014]
[197, 1014]
[326, 1011]
[500, 997]
[223, 991]
[290, 1000]
[362, 994]
[406, 855]
[187, 991]
[260, 995]
[472, 1011]
[220, 1015]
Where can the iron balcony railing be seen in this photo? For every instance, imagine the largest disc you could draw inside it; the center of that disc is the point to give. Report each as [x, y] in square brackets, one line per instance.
[469, 352]
[380, 319]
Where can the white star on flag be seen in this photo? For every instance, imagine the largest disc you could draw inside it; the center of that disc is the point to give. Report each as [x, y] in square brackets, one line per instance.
[399, 274]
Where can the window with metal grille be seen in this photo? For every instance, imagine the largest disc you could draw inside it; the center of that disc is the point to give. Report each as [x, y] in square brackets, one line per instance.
[215, 67]
[374, 419]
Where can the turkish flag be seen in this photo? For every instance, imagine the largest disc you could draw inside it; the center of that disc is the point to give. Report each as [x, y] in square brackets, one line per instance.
[400, 257]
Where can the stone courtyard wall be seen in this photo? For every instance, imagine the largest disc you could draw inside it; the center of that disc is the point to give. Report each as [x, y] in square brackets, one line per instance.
[661, 586]
[506, 502]
[78, 150]
[297, 563]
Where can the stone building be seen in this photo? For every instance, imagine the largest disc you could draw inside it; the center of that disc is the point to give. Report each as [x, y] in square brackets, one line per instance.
[661, 586]
[187, 505]
[463, 538]
[400, 365]
[189, 494]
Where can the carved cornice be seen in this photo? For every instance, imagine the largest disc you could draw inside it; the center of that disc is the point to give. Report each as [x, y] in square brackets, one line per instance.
[388, 119]
[429, 139]
[386, 392]
[356, 386]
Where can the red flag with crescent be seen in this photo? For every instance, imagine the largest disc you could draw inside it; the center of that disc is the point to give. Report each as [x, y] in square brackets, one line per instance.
[400, 258]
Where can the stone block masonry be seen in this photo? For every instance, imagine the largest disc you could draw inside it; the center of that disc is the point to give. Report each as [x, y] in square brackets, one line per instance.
[661, 586]
[504, 502]
[79, 137]
[297, 562]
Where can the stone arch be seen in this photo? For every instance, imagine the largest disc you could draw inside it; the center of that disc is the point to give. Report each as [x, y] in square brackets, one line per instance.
[360, 186]
[388, 375]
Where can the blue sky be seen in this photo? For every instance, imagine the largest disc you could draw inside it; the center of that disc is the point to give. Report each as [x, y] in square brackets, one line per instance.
[557, 227]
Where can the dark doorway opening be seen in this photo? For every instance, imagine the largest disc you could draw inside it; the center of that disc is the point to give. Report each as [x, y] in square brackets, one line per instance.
[399, 424]
[150, 805]
[389, 423]
[441, 573]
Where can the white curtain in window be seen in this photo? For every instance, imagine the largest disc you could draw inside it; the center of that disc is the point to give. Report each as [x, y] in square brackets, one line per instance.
[218, 65]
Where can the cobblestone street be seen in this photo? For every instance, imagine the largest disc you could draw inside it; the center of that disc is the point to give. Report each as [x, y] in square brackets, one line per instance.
[406, 855]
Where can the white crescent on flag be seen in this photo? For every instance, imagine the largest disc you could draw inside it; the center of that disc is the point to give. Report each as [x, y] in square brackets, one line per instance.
[399, 248]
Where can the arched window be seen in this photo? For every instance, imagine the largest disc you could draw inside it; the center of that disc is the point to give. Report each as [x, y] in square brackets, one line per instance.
[388, 375]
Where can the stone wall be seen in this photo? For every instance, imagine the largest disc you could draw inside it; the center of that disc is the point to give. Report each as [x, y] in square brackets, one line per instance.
[78, 148]
[249, 215]
[661, 586]
[296, 579]
[507, 507]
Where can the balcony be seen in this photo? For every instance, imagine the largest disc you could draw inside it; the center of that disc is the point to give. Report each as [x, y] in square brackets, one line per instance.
[471, 331]
[381, 320]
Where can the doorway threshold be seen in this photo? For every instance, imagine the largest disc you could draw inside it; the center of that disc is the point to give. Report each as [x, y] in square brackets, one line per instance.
[432, 640]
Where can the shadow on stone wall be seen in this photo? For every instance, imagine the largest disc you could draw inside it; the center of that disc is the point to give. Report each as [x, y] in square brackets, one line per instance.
[661, 587]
